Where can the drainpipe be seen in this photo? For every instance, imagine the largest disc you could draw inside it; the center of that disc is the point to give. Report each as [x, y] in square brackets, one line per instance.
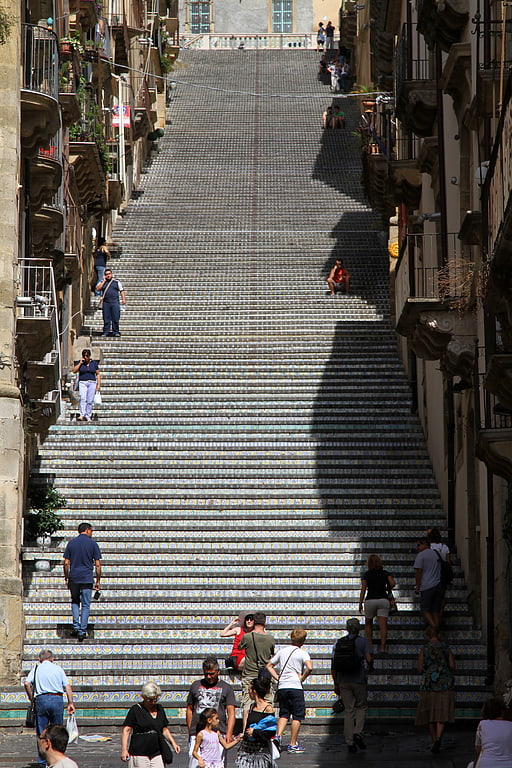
[450, 450]
[442, 162]
[491, 647]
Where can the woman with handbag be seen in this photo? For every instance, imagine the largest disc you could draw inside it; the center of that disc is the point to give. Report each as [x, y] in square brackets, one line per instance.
[146, 735]
[256, 747]
[376, 586]
[237, 629]
[89, 383]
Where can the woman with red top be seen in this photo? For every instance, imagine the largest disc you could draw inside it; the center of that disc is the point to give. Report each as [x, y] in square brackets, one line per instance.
[237, 629]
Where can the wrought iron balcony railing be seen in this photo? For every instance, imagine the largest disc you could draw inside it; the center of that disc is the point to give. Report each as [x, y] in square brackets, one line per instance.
[40, 60]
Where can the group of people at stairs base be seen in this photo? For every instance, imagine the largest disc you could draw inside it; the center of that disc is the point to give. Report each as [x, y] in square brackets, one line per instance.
[268, 678]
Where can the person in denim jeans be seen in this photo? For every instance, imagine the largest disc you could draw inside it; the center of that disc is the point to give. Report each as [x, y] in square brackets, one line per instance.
[81, 556]
[47, 682]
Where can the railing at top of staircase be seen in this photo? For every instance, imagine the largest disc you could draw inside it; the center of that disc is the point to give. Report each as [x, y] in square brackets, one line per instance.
[273, 40]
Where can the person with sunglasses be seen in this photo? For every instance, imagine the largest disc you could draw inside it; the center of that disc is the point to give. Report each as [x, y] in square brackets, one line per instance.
[237, 629]
[113, 296]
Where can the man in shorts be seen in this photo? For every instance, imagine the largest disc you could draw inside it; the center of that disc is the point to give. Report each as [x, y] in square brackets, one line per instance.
[259, 647]
[294, 666]
[428, 582]
[338, 276]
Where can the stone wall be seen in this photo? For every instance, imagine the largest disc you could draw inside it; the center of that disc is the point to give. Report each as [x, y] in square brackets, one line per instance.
[11, 413]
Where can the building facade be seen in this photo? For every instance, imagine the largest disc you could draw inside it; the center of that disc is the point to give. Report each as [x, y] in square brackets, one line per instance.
[258, 17]
[436, 152]
[83, 96]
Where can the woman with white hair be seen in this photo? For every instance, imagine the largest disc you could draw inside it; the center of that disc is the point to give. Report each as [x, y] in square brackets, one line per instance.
[146, 735]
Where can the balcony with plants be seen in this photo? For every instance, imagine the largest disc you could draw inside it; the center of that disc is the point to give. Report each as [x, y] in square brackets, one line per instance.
[88, 151]
[70, 77]
[40, 114]
[415, 87]
[46, 173]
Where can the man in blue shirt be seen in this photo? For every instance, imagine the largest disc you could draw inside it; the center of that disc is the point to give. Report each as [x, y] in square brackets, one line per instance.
[47, 682]
[82, 571]
[349, 666]
[114, 296]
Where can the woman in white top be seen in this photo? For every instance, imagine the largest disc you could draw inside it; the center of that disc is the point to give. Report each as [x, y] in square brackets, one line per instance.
[493, 743]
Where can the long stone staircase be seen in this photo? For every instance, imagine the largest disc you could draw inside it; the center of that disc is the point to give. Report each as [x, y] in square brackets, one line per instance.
[256, 441]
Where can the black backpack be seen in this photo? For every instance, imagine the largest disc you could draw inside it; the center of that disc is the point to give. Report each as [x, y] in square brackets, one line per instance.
[446, 571]
[345, 658]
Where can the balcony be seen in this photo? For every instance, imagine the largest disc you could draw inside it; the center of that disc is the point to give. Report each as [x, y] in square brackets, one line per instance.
[143, 123]
[489, 77]
[43, 413]
[40, 114]
[416, 97]
[46, 174]
[442, 21]
[494, 444]
[456, 76]
[391, 175]
[90, 178]
[42, 376]
[115, 191]
[47, 224]
[36, 321]
[69, 82]
[431, 304]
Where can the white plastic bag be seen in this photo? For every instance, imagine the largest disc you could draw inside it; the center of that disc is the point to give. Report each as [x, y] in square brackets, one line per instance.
[276, 752]
[72, 729]
[97, 398]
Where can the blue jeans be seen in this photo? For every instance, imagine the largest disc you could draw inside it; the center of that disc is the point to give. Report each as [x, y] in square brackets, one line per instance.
[101, 275]
[49, 709]
[111, 315]
[81, 595]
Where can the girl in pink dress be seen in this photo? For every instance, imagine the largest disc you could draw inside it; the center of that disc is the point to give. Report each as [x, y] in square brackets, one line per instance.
[210, 745]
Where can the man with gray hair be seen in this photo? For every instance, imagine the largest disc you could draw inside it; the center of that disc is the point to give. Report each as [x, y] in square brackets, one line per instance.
[210, 692]
[351, 659]
[47, 682]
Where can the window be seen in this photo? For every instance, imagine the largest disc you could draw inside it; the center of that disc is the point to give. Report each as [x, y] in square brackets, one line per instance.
[199, 16]
[282, 15]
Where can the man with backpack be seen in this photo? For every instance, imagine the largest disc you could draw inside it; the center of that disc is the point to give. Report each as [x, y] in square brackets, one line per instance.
[350, 662]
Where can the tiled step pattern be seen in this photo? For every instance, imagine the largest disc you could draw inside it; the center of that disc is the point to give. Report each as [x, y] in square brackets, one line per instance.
[256, 441]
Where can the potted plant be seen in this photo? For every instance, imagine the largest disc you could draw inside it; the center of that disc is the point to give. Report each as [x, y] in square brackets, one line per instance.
[42, 520]
[69, 44]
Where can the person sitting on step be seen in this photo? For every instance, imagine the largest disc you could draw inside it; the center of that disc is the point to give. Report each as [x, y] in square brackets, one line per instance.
[338, 276]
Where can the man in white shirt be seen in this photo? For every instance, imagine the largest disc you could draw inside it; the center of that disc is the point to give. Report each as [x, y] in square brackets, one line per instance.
[52, 745]
[295, 665]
